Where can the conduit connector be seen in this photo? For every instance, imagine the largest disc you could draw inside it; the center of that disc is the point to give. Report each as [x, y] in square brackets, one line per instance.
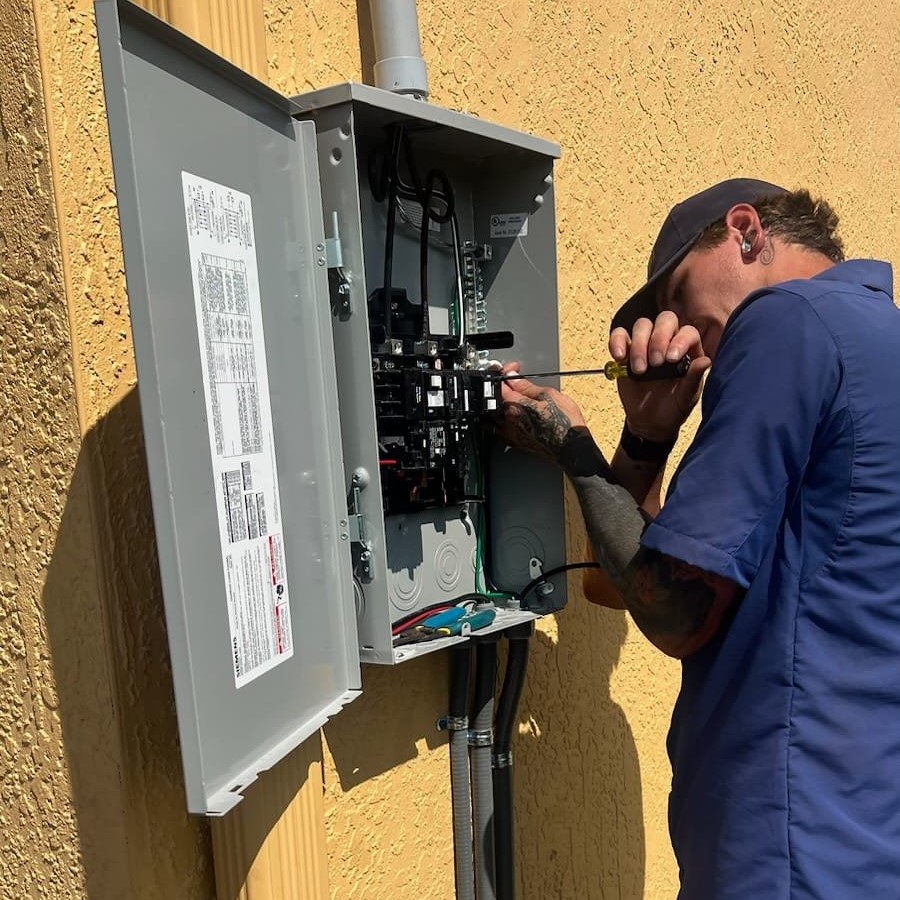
[399, 66]
[483, 738]
[452, 723]
[502, 760]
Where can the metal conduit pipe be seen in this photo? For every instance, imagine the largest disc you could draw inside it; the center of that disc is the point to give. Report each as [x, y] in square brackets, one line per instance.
[480, 747]
[399, 66]
[519, 639]
[460, 785]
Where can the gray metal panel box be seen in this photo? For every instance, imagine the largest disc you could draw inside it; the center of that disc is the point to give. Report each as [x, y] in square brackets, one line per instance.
[221, 225]
[503, 182]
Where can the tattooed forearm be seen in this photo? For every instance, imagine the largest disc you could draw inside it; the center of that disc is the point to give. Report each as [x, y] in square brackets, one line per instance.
[547, 425]
[669, 600]
[677, 606]
[614, 524]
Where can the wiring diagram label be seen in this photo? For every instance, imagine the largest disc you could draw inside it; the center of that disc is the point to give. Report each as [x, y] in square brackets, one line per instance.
[509, 225]
[222, 249]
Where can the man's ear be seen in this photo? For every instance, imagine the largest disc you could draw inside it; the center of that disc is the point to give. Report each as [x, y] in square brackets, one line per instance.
[744, 227]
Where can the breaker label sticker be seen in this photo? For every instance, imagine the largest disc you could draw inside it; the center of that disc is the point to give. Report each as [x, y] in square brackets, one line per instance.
[222, 249]
[509, 225]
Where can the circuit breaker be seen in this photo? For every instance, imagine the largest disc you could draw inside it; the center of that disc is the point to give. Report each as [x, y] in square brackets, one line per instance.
[319, 288]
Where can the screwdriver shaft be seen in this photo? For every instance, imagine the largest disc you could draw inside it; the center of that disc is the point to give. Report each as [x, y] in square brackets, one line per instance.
[613, 370]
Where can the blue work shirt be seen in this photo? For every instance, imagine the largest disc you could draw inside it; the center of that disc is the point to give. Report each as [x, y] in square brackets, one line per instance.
[785, 741]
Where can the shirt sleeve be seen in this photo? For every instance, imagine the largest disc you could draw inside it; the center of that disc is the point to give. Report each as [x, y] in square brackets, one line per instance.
[776, 377]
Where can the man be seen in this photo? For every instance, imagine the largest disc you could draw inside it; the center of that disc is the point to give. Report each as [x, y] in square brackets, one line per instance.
[773, 568]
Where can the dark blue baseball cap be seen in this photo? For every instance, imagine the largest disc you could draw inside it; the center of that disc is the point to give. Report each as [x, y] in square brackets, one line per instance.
[683, 226]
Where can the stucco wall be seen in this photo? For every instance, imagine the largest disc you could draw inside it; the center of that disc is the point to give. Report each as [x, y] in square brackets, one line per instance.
[93, 802]
[38, 456]
[648, 103]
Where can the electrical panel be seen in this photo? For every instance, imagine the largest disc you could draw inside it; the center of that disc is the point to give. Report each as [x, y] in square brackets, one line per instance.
[443, 259]
[319, 288]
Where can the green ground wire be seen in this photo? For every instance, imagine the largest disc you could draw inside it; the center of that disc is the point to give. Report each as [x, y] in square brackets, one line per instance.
[480, 576]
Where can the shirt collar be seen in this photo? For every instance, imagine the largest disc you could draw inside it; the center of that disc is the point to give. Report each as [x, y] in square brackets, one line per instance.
[870, 273]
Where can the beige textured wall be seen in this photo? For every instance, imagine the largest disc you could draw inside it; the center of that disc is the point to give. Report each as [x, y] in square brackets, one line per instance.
[93, 803]
[647, 103]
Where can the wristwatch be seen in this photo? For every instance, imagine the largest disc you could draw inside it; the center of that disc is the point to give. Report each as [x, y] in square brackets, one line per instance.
[642, 450]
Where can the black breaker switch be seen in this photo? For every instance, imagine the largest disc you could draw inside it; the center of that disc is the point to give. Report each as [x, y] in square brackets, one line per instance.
[429, 428]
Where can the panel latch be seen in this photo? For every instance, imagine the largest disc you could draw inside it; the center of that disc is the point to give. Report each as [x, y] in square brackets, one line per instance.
[360, 544]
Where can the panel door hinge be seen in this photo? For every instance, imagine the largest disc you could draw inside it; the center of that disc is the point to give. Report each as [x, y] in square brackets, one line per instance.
[338, 280]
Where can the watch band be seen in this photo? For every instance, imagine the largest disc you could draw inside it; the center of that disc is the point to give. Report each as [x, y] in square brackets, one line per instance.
[642, 450]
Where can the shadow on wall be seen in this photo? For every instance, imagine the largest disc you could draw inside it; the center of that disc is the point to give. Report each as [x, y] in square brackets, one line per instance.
[416, 695]
[577, 782]
[577, 778]
[106, 632]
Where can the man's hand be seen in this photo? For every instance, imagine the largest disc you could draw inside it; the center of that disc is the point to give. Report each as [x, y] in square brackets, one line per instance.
[656, 410]
[536, 419]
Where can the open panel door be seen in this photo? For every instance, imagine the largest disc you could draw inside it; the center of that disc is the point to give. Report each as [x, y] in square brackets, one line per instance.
[221, 221]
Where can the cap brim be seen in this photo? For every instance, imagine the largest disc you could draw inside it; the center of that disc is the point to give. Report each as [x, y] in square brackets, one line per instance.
[643, 303]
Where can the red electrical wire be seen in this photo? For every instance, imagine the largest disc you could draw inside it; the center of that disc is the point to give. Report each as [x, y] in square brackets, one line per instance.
[420, 616]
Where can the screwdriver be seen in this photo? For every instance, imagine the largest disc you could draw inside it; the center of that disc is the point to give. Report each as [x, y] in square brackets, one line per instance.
[613, 370]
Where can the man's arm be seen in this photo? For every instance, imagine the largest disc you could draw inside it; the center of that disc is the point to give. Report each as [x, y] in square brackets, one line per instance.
[678, 607]
[643, 480]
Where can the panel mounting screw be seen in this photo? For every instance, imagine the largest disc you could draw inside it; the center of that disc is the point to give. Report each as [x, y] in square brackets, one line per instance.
[320, 247]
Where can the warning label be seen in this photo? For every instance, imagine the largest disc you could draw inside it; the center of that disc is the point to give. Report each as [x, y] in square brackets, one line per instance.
[221, 242]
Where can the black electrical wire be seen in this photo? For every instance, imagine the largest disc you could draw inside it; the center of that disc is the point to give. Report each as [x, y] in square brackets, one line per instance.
[550, 573]
[513, 682]
[386, 181]
[410, 191]
[430, 214]
[519, 637]
[389, 231]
